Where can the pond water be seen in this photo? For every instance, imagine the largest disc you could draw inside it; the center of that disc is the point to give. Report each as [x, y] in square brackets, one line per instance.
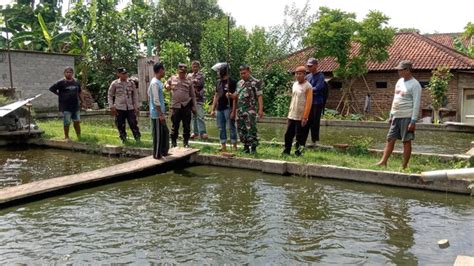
[22, 164]
[216, 215]
[426, 141]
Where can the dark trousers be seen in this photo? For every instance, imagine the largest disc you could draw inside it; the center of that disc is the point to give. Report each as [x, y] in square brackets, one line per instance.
[161, 140]
[314, 122]
[130, 116]
[178, 115]
[293, 129]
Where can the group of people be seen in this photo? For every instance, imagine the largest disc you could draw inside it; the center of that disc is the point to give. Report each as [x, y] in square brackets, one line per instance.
[236, 106]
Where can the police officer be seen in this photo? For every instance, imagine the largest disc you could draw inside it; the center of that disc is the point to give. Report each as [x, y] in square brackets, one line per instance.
[123, 103]
[248, 93]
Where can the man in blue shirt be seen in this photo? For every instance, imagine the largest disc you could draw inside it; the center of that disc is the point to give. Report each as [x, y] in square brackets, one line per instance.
[160, 133]
[316, 79]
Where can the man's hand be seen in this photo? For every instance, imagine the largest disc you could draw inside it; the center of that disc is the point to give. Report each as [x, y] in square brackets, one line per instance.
[137, 111]
[231, 96]
[411, 127]
[213, 113]
[260, 114]
[113, 110]
[193, 109]
[162, 118]
[304, 122]
[232, 115]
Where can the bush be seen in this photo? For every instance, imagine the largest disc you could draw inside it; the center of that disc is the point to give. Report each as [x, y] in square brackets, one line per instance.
[360, 145]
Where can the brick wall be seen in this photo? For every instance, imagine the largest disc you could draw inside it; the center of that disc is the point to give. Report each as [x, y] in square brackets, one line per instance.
[33, 73]
[382, 97]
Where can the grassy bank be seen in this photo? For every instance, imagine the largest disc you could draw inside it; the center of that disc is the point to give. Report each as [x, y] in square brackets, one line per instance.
[101, 134]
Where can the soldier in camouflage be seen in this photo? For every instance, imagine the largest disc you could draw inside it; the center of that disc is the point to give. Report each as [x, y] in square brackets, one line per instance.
[248, 93]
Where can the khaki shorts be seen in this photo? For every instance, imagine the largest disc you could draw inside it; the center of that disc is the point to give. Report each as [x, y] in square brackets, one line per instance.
[399, 130]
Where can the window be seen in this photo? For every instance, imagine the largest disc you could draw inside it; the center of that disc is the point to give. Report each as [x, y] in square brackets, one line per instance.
[335, 85]
[381, 85]
[424, 84]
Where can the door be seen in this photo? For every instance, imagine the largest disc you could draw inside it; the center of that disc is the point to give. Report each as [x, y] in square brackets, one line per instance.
[468, 106]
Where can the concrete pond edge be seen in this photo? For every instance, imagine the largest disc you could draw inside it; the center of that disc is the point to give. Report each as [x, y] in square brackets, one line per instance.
[335, 172]
[280, 167]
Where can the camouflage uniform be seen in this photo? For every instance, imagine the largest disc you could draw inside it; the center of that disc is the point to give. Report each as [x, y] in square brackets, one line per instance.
[247, 93]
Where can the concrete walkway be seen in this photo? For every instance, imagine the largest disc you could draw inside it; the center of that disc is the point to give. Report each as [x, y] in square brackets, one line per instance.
[59, 185]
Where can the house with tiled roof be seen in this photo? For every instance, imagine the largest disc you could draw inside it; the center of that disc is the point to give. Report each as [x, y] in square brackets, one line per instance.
[426, 55]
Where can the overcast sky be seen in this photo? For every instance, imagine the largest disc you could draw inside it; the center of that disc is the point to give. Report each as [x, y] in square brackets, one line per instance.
[427, 16]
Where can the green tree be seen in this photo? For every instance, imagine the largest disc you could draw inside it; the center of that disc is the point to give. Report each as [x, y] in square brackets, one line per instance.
[138, 14]
[183, 21]
[408, 30]
[438, 86]
[259, 52]
[468, 34]
[214, 49]
[171, 54]
[276, 91]
[288, 36]
[337, 33]
[23, 22]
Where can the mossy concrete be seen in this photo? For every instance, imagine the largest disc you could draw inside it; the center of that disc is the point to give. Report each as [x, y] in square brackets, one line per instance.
[336, 172]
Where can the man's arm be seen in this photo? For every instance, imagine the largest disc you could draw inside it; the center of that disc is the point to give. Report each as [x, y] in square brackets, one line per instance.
[55, 88]
[135, 97]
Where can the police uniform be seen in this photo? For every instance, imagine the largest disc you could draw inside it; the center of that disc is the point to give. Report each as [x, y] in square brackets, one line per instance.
[123, 95]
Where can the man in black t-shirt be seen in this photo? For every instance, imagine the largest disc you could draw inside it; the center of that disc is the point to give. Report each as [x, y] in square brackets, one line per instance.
[70, 100]
[223, 103]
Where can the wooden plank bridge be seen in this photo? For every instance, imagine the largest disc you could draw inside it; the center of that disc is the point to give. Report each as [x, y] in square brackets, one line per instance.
[40, 189]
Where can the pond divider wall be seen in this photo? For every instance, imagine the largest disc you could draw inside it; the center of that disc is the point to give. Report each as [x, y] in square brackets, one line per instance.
[335, 172]
[148, 166]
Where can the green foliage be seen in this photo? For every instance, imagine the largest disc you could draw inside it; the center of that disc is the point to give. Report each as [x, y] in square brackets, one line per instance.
[337, 33]
[408, 30]
[288, 36]
[4, 100]
[183, 21]
[276, 91]
[438, 86]
[468, 34]
[360, 145]
[171, 54]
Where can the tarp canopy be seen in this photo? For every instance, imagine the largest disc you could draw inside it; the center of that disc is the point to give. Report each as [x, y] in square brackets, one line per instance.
[4, 110]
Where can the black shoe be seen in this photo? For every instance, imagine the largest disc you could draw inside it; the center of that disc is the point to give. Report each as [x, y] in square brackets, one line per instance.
[285, 153]
[299, 152]
[253, 149]
[246, 149]
[173, 144]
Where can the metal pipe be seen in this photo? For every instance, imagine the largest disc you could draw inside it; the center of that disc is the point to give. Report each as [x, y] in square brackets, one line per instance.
[9, 58]
[464, 173]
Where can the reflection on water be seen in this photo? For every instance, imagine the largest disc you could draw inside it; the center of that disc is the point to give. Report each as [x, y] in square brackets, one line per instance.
[20, 164]
[216, 215]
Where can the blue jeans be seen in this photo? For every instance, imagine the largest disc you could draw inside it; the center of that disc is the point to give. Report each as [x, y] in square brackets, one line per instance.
[68, 116]
[199, 126]
[224, 121]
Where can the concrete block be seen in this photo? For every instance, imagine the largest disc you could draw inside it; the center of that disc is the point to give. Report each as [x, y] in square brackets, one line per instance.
[464, 261]
[274, 167]
[111, 149]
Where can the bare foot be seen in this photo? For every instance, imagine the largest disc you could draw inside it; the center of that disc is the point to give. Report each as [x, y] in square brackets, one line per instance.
[381, 164]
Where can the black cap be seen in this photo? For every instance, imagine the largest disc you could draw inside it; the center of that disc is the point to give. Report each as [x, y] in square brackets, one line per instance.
[121, 70]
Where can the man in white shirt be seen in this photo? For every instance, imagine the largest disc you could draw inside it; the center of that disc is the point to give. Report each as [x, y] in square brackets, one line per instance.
[404, 113]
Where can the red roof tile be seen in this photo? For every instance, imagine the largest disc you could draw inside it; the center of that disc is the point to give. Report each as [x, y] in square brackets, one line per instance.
[447, 39]
[425, 53]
